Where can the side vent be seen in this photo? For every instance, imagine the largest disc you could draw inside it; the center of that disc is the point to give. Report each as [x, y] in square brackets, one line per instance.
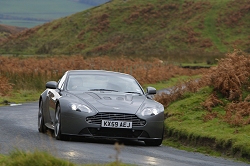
[129, 97]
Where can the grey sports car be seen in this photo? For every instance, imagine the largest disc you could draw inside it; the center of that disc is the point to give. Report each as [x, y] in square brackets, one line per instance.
[101, 104]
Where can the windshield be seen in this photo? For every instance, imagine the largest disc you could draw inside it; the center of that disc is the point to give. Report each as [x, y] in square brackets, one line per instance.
[96, 82]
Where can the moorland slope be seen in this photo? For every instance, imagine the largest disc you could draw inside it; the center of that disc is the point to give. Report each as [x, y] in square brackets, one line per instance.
[6, 31]
[173, 29]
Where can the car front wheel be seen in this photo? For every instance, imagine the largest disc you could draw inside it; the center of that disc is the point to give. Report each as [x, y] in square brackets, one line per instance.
[57, 127]
[41, 126]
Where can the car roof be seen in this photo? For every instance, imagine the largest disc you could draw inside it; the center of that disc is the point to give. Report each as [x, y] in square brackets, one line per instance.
[104, 72]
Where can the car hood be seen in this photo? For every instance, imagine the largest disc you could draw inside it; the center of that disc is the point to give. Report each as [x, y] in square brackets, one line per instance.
[113, 101]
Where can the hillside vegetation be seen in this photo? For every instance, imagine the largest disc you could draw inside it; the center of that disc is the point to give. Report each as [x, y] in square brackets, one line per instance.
[31, 73]
[172, 29]
[213, 111]
[6, 31]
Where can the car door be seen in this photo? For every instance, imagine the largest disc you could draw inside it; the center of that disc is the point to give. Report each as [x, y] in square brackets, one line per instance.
[54, 95]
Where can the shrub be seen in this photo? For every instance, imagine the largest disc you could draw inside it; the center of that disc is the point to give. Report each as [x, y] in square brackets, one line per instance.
[5, 86]
[231, 74]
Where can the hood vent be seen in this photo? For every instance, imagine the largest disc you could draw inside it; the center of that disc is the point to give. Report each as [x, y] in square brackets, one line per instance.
[119, 98]
[95, 96]
[106, 98]
[128, 97]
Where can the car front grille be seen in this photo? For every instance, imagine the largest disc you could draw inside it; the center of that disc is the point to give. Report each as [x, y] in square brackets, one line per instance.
[97, 119]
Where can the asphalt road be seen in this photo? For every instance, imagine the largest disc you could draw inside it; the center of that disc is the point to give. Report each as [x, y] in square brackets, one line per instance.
[18, 129]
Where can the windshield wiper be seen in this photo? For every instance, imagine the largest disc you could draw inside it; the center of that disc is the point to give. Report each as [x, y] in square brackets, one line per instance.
[111, 90]
[134, 93]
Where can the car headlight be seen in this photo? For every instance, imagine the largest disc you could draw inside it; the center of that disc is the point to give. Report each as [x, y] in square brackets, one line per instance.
[80, 108]
[152, 110]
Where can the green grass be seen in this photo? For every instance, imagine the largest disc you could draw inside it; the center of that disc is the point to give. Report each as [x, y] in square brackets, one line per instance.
[20, 96]
[37, 158]
[186, 124]
[210, 30]
[198, 65]
[41, 158]
[172, 142]
[171, 82]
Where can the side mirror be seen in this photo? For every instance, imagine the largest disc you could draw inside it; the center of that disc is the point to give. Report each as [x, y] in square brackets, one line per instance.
[51, 85]
[151, 90]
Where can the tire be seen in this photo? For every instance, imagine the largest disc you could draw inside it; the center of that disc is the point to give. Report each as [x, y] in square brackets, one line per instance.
[153, 142]
[41, 126]
[57, 128]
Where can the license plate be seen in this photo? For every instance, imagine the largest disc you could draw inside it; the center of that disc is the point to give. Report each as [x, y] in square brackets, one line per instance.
[116, 124]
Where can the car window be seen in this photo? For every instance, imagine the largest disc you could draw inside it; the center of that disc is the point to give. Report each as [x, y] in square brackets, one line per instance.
[61, 81]
[88, 82]
[129, 85]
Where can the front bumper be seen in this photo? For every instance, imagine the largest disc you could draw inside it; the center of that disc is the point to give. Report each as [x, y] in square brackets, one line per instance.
[78, 126]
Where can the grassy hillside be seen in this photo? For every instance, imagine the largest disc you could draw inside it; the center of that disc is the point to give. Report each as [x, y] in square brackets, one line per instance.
[173, 29]
[6, 31]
